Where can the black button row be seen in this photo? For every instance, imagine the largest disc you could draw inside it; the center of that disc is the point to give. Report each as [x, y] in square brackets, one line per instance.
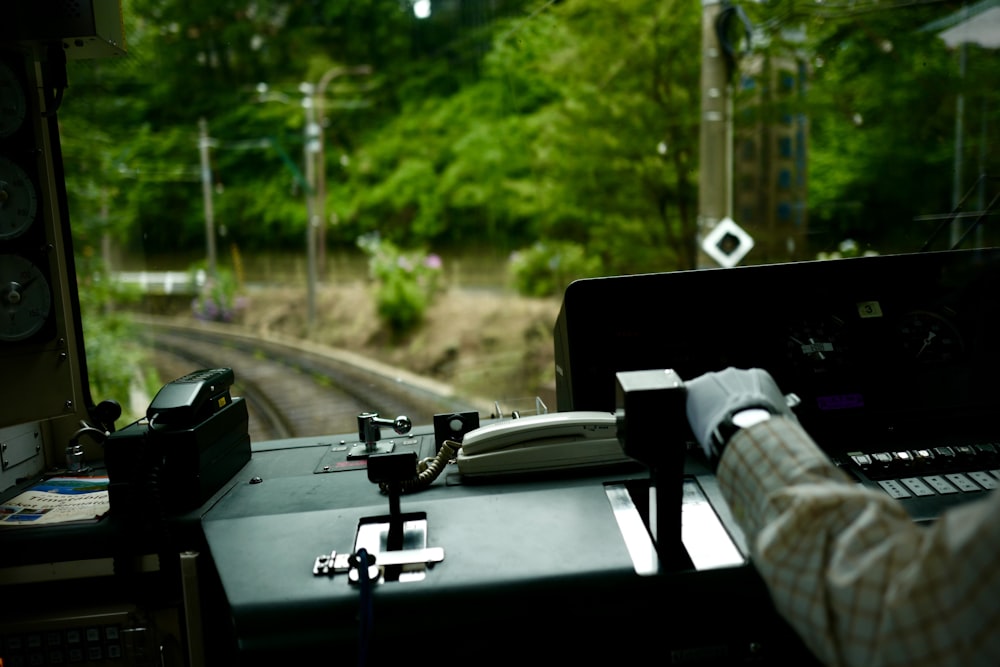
[929, 461]
[60, 647]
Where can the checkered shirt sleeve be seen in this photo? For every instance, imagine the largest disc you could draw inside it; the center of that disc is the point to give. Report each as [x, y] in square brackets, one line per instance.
[846, 566]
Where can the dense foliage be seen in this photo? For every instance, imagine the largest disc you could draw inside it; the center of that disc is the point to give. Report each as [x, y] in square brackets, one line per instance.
[500, 123]
[405, 283]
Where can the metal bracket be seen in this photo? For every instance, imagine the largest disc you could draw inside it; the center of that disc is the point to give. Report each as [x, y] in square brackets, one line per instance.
[331, 563]
[409, 560]
[362, 450]
[369, 434]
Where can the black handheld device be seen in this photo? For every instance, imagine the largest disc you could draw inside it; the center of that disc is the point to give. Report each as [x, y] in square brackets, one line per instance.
[195, 438]
[191, 399]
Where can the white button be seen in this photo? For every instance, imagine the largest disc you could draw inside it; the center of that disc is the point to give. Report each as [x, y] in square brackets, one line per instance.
[984, 479]
[962, 482]
[940, 484]
[894, 488]
[917, 486]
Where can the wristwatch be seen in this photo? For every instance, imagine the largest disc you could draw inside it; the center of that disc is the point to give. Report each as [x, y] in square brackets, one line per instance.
[740, 419]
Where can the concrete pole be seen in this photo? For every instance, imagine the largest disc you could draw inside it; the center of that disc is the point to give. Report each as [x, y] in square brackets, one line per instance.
[714, 140]
[320, 183]
[309, 161]
[204, 144]
[320, 101]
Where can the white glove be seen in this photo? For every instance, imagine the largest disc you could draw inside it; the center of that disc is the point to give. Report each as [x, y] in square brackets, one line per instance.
[713, 399]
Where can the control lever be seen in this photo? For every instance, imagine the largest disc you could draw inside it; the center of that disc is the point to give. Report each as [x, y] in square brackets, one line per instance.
[369, 434]
[394, 547]
[653, 429]
[398, 541]
[390, 471]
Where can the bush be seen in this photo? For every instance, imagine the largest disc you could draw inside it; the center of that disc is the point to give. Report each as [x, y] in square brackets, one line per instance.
[406, 282]
[548, 267]
[847, 248]
[118, 365]
[218, 299]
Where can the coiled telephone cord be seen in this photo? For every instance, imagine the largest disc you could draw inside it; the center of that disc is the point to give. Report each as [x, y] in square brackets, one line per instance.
[428, 469]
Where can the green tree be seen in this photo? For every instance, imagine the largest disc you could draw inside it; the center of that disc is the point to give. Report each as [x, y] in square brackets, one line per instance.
[499, 124]
[620, 145]
[881, 110]
[574, 132]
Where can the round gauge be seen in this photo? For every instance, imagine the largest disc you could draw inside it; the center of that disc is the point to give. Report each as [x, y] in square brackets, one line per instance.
[18, 200]
[927, 337]
[25, 300]
[12, 102]
[817, 344]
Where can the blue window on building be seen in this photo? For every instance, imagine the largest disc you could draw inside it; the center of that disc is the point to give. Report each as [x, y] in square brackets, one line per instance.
[787, 81]
[800, 213]
[785, 147]
[784, 211]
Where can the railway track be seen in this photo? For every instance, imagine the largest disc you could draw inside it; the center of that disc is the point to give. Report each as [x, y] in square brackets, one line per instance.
[294, 389]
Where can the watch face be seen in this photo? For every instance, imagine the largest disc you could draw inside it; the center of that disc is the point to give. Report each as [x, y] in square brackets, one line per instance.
[12, 102]
[18, 200]
[749, 417]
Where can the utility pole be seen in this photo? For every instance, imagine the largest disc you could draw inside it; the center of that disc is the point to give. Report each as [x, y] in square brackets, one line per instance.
[204, 144]
[310, 146]
[715, 142]
[320, 101]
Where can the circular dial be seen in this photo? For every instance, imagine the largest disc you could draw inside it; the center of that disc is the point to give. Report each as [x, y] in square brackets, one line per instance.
[18, 200]
[12, 102]
[25, 300]
[817, 344]
[927, 337]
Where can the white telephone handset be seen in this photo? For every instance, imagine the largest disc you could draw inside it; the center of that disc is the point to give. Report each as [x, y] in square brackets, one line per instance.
[542, 442]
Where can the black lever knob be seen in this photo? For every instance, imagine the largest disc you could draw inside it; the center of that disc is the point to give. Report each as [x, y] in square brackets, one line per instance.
[391, 470]
[651, 415]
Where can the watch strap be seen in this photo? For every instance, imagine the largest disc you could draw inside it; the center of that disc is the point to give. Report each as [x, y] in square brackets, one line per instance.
[736, 421]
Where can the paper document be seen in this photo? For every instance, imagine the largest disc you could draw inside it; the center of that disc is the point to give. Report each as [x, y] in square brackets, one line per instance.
[58, 500]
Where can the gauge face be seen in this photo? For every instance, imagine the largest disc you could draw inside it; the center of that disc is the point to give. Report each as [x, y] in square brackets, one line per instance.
[18, 200]
[25, 299]
[12, 102]
[816, 344]
[927, 337]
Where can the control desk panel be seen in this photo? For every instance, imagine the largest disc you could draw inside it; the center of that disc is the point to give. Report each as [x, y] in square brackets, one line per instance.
[516, 566]
[893, 357]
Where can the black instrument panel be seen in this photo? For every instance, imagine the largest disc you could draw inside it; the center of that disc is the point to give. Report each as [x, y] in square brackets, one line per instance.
[876, 347]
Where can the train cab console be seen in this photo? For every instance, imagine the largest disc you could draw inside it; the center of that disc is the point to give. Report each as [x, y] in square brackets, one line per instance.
[342, 546]
[457, 538]
[889, 358]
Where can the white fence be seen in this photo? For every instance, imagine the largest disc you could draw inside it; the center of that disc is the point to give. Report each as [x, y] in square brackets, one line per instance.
[162, 282]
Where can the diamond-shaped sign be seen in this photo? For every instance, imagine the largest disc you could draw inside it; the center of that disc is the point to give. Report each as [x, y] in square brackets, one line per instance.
[727, 243]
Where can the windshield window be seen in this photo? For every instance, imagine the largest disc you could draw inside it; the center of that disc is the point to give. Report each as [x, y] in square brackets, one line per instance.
[407, 187]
